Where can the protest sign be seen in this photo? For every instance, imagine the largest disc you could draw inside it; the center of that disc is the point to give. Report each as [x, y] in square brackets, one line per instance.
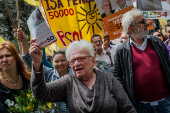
[112, 5]
[154, 9]
[150, 24]
[72, 20]
[32, 2]
[112, 24]
[39, 29]
[156, 14]
[1, 39]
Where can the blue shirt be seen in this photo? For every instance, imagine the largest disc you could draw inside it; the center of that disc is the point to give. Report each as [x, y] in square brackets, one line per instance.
[52, 75]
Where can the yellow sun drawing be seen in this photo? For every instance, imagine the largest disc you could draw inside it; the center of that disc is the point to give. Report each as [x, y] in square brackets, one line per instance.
[89, 18]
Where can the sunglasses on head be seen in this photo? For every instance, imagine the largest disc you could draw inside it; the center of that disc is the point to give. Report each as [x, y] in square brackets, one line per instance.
[158, 35]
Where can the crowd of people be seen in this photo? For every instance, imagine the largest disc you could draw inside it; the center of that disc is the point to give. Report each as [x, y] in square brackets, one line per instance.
[130, 74]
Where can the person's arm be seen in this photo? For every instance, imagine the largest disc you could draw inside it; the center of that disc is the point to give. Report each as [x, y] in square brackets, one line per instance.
[49, 73]
[159, 45]
[22, 42]
[45, 91]
[117, 65]
[124, 103]
[53, 91]
[27, 60]
[44, 59]
[24, 47]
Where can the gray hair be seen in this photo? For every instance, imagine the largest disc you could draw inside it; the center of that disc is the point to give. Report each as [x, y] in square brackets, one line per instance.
[129, 17]
[81, 45]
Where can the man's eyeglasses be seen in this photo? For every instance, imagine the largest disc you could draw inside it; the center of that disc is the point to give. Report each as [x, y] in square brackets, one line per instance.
[98, 41]
[142, 22]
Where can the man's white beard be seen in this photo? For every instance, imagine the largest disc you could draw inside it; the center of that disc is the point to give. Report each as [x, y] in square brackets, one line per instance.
[139, 34]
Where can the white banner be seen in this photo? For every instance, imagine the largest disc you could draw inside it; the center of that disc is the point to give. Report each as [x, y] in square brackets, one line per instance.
[39, 29]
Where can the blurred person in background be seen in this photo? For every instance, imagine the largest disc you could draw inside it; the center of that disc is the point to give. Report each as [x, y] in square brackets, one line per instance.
[24, 44]
[60, 68]
[110, 46]
[106, 43]
[167, 32]
[167, 41]
[104, 59]
[159, 35]
[149, 5]
[107, 46]
[106, 7]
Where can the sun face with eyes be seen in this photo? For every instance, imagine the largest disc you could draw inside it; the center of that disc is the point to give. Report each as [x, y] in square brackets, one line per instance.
[89, 19]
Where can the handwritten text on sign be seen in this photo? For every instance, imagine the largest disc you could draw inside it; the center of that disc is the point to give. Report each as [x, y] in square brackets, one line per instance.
[72, 20]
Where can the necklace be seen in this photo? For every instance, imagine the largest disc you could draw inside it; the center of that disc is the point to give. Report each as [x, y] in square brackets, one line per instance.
[10, 80]
[12, 84]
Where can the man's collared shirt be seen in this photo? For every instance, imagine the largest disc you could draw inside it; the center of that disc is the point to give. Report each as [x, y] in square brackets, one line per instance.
[142, 46]
[103, 57]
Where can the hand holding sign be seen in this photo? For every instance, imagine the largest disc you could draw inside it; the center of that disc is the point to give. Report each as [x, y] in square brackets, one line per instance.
[36, 54]
[39, 29]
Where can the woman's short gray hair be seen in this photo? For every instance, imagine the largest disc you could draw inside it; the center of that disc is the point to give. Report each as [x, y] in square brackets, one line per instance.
[129, 17]
[81, 45]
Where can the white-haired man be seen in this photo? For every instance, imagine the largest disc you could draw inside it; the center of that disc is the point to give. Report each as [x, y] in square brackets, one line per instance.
[143, 66]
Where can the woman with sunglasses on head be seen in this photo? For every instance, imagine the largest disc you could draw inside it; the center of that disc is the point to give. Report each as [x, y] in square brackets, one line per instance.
[159, 35]
[167, 41]
[14, 76]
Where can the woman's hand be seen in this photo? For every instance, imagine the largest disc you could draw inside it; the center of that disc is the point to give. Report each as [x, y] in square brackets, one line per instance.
[20, 34]
[22, 42]
[36, 53]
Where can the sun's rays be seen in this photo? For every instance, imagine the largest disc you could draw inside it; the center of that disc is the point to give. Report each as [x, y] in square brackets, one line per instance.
[90, 19]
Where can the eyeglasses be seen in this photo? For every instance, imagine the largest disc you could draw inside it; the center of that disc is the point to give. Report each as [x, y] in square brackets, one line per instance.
[79, 59]
[62, 60]
[98, 41]
[142, 22]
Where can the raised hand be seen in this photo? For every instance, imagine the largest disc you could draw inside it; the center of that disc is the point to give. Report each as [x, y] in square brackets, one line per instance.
[22, 41]
[36, 53]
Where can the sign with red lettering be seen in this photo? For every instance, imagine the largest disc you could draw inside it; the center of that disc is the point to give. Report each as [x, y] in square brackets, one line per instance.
[112, 23]
[72, 20]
